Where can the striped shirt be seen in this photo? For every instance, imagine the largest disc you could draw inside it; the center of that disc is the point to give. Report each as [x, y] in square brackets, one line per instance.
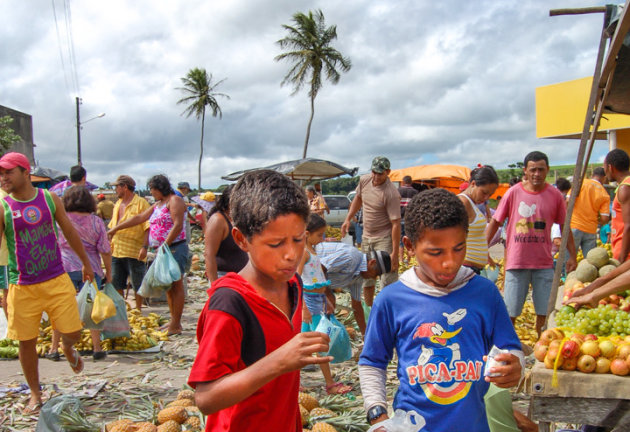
[342, 261]
[128, 242]
[476, 244]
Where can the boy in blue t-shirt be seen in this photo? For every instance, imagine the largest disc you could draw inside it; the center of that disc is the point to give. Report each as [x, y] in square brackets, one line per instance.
[442, 320]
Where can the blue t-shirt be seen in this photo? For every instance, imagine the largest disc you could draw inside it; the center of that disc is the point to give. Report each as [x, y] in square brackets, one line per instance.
[440, 342]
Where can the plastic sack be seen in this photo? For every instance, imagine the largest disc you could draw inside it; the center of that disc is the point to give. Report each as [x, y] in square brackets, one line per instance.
[339, 348]
[3, 324]
[49, 420]
[403, 421]
[150, 288]
[491, 273]
[85, 301]
[117, 325]
[103, 307]
[166, 268]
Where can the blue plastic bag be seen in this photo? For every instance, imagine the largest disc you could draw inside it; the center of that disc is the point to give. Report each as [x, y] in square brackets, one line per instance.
[339, 348]
[166, 268]
[85, 301]
[118, 325]
[150, 288]
[491, 273]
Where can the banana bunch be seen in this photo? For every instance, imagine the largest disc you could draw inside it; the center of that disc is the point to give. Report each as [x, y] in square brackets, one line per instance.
[9, 348]
[525, 325]
[332, 232]
[144, 333]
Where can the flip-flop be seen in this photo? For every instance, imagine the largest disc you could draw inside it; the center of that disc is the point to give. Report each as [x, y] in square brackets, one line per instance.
[32, 409]
[342, 389]
[53, 356]
[77, 365]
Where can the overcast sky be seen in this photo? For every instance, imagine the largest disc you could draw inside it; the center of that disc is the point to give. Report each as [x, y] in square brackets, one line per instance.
[431, 82]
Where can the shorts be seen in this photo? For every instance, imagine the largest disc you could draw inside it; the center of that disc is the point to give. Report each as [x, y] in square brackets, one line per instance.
[384, 244]
[4, 277]
[56, 297]
[355, 288]
[180, 253]
[77, 279]
[123, 268]
[517, 283]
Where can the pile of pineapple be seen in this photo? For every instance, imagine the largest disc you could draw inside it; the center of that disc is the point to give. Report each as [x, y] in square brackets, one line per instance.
[178, 416]
[330, 414]
[144, 333]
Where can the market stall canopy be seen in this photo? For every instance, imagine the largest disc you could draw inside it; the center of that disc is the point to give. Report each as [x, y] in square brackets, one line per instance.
[48, 173]
[617, 100]
[428, 172]
[302, 169]
[447, 177]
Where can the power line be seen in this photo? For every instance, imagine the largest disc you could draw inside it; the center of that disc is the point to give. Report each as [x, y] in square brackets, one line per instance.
[73, 63]
[63, 63]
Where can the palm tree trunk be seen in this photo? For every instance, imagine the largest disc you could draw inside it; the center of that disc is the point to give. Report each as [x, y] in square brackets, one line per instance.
[203, 121]
[308, 128]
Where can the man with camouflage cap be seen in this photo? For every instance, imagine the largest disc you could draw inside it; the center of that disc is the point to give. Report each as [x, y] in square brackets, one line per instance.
[381, 219]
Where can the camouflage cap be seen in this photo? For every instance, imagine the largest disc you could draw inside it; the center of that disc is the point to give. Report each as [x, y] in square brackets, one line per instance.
[380, 164]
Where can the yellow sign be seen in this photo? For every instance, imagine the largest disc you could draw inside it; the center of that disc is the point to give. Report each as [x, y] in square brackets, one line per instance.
[561, 109]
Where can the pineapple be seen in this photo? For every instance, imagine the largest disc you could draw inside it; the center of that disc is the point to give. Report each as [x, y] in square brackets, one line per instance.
[145, 427]
[304, 415]
[170, 426]
[307, 401]
[186, 394]
[192, 409]
[176, 413]
[193, 423]
[122, 425]
[182, 402]
[321, 413]
[323, 427]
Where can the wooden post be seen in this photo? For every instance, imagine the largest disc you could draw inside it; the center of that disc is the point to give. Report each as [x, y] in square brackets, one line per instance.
[577, 174]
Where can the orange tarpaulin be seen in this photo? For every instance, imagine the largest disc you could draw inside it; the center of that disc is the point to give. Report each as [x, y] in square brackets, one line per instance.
[447, 177]
[428, 172]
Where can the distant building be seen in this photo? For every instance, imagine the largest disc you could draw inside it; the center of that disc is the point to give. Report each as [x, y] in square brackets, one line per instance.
[23, 126]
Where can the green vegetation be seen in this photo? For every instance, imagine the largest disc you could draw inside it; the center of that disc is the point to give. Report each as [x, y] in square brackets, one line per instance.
[555, 171]
[308, 48]
[8, 137]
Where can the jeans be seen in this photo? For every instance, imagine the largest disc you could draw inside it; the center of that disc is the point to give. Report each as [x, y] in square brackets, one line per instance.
[517, 283]
[584, 240]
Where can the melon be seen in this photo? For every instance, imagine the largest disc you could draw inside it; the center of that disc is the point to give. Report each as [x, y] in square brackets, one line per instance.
[586, 272]
[598, 257]
[606, 269]
[614, 262]
[571, 275]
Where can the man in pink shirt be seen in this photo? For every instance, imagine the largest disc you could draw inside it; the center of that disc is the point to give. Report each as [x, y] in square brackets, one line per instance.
[531, 207]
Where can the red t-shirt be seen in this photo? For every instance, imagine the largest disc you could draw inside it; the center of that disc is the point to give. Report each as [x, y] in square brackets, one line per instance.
[236, 328]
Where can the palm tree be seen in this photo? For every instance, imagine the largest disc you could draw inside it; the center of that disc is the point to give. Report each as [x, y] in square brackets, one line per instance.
[308, 47]
[200, 93]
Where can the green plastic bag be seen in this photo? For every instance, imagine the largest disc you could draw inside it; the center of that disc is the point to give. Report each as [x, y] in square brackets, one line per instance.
[117, 325]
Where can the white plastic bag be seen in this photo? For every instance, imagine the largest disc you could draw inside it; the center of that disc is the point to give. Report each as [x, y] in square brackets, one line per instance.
[3, 324]
[150, 288]
[403, 421]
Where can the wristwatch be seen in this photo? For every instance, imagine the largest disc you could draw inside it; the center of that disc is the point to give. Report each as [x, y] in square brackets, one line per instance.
[375, 412]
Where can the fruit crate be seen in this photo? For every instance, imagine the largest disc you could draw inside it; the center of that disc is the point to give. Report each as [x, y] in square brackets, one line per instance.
[579, 398]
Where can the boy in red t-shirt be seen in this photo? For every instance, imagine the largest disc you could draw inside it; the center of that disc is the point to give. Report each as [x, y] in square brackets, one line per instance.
[247, 369]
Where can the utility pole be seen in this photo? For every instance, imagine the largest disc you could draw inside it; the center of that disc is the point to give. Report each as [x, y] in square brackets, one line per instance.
[78, 99]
